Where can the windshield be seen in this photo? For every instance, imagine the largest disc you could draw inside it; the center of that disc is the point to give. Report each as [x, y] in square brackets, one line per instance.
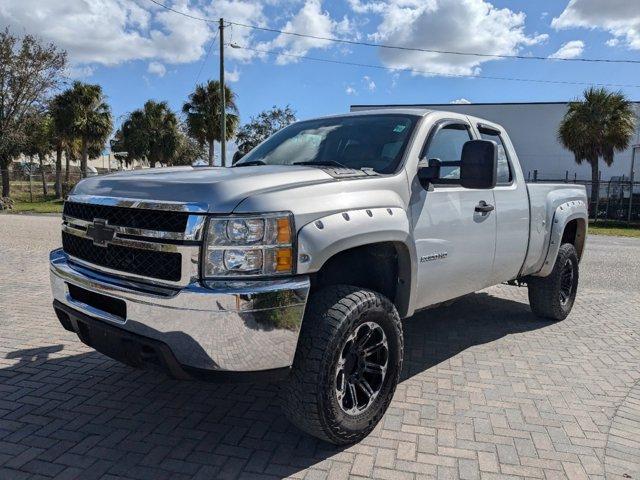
[366, 141]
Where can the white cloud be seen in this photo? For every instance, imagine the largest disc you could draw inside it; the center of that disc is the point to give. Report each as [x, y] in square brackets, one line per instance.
[346, 28]
[359, 6]
[157, 68]
[249, 12]
[460, 101]
[369, 83]
[80, 72]
[111, 32]
[621, 18]
[572, 49]
[394, 80]
[454, 25]
[311, 19]
[350, 90]
[232, 76]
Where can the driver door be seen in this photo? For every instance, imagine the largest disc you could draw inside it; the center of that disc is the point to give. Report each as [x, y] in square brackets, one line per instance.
[455, 244]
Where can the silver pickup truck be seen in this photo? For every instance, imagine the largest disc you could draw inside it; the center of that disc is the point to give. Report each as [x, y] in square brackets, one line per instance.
[298, 263]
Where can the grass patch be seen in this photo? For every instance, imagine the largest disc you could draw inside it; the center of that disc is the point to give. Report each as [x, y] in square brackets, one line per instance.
[23, 196]
[40, 204]
[614, 228]
[46, 206]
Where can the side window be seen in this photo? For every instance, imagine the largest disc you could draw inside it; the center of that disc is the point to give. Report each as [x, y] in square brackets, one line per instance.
[446, 146]
[504, 169]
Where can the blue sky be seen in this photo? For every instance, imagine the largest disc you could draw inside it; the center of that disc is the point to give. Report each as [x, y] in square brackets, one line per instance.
[136, 50]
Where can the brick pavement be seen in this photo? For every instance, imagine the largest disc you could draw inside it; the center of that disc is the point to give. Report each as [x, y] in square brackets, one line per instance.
[488, 391]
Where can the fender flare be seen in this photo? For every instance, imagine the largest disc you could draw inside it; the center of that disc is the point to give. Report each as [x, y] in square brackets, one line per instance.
[565, 213]
[325, 237]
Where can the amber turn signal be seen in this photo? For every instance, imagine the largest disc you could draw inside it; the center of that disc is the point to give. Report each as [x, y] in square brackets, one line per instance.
[284, 231]
[284, 260]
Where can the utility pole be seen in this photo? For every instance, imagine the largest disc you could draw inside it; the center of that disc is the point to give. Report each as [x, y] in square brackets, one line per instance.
[223, 117]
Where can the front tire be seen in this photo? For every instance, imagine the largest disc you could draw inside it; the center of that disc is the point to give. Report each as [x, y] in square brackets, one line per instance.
[347, 364]
[552, 297]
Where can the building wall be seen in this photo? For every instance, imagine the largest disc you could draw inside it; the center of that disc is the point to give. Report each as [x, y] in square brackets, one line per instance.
[533, 129]
[102, 163]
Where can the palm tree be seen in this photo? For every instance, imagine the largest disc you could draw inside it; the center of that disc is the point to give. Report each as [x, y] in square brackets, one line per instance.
[39, 141]
[151, 133]
[597, 126]
[61, 112]
[92, 121]
[203, 111]
[118, 149]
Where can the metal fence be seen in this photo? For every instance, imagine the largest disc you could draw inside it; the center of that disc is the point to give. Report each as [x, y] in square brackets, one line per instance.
[617, 199]
[27, 186]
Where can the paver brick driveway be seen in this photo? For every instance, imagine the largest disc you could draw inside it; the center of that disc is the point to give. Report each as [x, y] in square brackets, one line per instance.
[488, 391]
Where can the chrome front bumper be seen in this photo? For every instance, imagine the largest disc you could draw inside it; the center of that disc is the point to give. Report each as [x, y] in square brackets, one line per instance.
[217, 326]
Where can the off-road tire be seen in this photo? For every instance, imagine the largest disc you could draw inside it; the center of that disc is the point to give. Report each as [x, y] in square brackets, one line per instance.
[308, 397]
[544, 292]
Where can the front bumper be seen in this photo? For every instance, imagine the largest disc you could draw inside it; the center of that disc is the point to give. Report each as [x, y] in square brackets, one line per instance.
[221, 327]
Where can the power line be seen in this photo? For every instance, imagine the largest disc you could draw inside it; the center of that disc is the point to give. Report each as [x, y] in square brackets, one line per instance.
[206, 56]
[426, 50]
[425, 72]
[184, 14]
[398, 47]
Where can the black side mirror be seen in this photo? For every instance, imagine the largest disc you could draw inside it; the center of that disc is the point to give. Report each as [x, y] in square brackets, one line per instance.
[479, 164]
[428, 171]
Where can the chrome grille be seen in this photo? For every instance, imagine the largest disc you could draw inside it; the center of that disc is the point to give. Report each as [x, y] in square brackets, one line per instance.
[129, 217]
[156, 242]
[146, 263]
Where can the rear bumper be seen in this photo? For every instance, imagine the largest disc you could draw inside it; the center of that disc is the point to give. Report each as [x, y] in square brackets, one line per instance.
[217, 328]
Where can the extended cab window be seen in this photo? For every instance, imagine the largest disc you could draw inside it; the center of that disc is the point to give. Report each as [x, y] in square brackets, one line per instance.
[446, 146]
[504, 169]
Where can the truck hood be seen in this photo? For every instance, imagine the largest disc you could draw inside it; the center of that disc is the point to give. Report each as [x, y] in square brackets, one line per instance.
[220, 189]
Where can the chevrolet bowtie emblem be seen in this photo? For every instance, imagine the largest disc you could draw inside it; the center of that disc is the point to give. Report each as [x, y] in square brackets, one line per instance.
[100, 232]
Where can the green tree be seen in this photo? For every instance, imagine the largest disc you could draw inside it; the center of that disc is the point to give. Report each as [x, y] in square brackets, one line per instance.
[261, 127]
[73, 154]
[151, 134]
[596, 127]
[92, 123]
[61, 112]
[203, 111]
[29, 71]
[39, 141]
[189, 150]
[118, 149]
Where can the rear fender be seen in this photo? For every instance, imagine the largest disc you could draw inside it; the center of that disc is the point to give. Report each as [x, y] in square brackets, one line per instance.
[565, 213]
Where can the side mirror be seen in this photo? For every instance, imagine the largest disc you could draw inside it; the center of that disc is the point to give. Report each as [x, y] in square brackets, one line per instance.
[428, 171]
[479, 164]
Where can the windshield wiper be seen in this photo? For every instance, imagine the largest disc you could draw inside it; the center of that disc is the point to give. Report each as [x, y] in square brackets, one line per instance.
[324, 163]
[250, 164]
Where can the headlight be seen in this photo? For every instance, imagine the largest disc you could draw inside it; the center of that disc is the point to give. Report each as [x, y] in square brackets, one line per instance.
[252, 245]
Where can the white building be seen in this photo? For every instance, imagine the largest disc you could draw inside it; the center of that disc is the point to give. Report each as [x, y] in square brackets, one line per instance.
[102, 164]
[533, 129]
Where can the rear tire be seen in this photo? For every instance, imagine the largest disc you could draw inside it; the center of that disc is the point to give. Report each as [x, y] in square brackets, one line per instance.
[347, 364]
[552, 297]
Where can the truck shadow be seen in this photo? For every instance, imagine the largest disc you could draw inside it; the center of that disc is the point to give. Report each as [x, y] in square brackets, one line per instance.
[435, 335]
[108, 418]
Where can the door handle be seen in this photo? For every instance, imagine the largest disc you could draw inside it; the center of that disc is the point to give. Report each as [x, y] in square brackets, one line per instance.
[484, 207]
